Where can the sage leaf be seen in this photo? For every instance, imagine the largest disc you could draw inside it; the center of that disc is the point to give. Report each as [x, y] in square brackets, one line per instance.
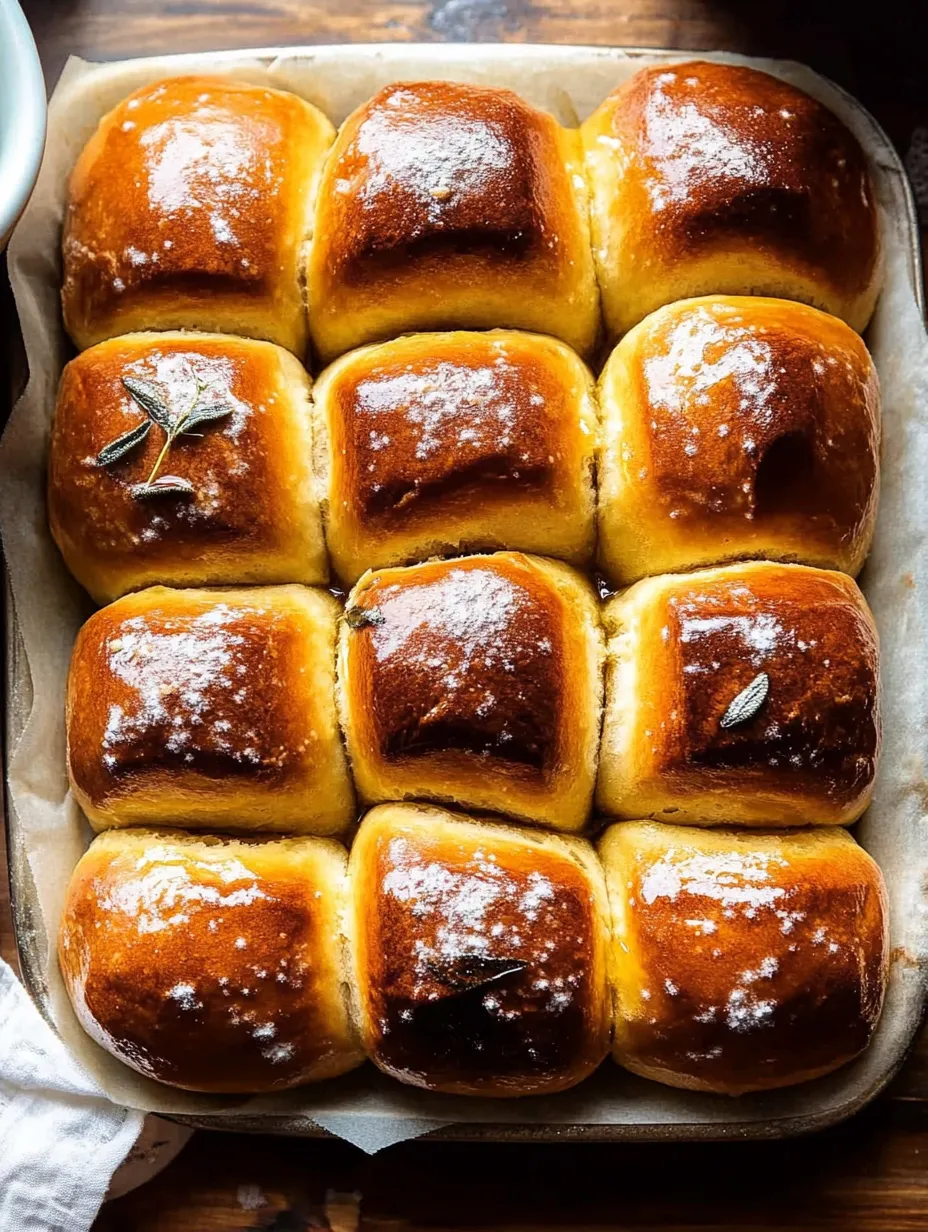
[165, 485]
[206, 414]
[359, 617]
[123, 444]
[466, 972]
[150, 399]
[748, 702]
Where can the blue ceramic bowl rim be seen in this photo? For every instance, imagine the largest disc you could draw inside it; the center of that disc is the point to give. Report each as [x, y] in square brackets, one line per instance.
[22, 114]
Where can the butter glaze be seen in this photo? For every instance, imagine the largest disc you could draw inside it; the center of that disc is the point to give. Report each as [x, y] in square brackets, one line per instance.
[481, 954]
[684, 647]
[743, 961]
[475, 681]
[188, 208]
[468, 657]
[444, 205]
[210, 964]
[719, 178]
[252, 515]
[209, 708]
[818, 728]
[442, 443]
[738, 426]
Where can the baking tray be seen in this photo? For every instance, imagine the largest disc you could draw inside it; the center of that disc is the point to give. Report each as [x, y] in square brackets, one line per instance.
[675, 1115]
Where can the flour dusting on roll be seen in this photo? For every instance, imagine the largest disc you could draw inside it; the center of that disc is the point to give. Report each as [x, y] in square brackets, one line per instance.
[446, 443]
[477, 682]
[446, 206]
[479, 953]
[209, 709]
[743, 961]
[227, 421]
[733, 427]
[717, 178]
[212, 963]
[190, 208]
[745, 695]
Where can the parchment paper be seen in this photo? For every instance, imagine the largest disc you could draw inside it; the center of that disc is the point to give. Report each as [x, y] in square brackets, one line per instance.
[365, 1107]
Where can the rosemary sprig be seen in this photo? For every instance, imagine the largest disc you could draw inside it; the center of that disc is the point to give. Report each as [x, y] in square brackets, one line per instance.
[151, 400]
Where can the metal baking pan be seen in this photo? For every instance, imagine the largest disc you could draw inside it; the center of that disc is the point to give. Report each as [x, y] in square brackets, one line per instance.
[631, 1109]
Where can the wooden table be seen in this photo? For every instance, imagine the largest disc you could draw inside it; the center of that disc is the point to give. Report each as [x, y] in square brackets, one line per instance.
[869, 1174]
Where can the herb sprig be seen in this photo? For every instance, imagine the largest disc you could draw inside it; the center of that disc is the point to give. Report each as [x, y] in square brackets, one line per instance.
[150, 398]
[748, 702]
[362, 617]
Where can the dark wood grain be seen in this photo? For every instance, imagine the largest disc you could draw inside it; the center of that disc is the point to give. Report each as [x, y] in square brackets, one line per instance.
[868, 1175]
[882, 60]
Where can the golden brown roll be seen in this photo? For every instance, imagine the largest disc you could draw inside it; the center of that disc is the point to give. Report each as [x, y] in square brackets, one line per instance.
[209, 709]
[244, 509]
[733, 427]
[212, 963]
[742, 961]
[479, 953]
[190, 208]
[448, 206]
[747, 695]
[439, 443]
[477, 682]
[711, 178]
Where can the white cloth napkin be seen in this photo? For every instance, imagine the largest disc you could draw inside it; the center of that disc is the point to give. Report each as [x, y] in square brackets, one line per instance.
[61, 1139]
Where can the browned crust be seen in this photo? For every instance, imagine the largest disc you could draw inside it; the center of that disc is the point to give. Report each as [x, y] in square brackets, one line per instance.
[252, 515]
[438, 194]
[210, 708]
[743, 961]
[473, 680]
[479, 953]
[211, 963]
[190, 204]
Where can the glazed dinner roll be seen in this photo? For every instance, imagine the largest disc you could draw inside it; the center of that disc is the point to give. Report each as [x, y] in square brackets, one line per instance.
[209, 709]
[212, 963]
[444, 206]
[746, 695]
[479, 953]
[233, 498]
[439, 443]
[742, 961]
[190, 208]
[713, 178]
[476, 682]
[734, 427]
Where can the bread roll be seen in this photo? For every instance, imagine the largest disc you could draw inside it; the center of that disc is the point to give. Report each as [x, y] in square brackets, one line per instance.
[448, 206]
[747, 695]
[479, 953]
[477, 682]
[190, 208]
[209, 709]
[742, 961]
[439, 443]
[713, 178]
[737, 427]
[252, 514]
[211, 963]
